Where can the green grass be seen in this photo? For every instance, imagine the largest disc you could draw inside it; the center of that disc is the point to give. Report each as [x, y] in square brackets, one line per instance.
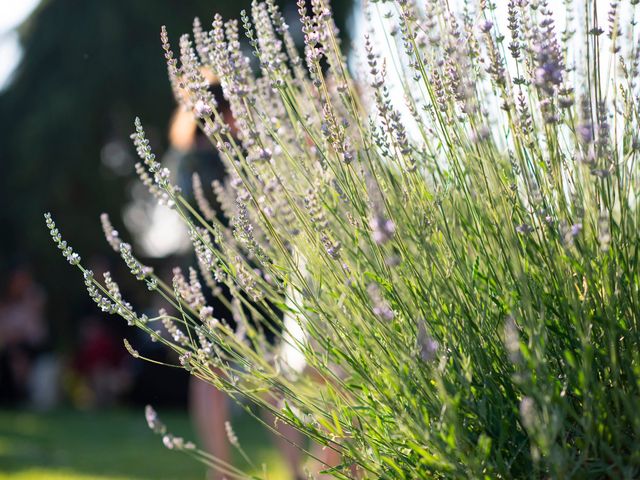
[110, 445]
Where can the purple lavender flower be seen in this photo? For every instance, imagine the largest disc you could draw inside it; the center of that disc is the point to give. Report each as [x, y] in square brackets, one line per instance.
[548, 75]
[427, 345]
[524, 229]
[202, 109]
[485, 26]
[585, 131]
[383, 229]
[380, 306]
[575, 230]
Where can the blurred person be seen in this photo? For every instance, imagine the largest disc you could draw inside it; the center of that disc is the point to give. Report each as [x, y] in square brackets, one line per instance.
[28, 373]
[99, 365]
[152, 383]
[191, 151]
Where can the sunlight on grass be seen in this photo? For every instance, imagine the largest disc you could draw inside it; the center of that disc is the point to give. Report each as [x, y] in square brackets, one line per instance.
[6, 447]
[112, 445]
[55, 474]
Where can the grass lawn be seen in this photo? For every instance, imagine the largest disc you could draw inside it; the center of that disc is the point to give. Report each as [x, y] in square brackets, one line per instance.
[111, 445]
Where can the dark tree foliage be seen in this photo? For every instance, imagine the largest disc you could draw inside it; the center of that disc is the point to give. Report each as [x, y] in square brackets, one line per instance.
[88, 69]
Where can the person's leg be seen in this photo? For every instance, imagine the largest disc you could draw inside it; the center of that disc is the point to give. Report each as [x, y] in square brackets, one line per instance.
[286, 440]
[329, 458]
[210, 411]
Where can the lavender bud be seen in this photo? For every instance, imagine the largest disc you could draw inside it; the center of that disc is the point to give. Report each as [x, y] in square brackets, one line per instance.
[524, 229]
[427, 345]
[575, 229]
[382, 228]
[202, 109]
[485, 26]
[153, 421]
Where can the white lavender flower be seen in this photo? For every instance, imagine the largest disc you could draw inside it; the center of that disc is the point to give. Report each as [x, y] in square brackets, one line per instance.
[137, 269]
[132, 351]
[110, 233]
[153, 420]
[72, 257]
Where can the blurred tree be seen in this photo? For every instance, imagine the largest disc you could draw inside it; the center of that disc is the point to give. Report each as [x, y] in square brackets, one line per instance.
[88, 68]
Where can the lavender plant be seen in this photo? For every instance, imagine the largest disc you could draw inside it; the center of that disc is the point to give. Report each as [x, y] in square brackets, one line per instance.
[447, 233]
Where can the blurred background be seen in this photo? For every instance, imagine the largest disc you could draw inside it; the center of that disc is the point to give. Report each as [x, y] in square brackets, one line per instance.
[73, 75]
